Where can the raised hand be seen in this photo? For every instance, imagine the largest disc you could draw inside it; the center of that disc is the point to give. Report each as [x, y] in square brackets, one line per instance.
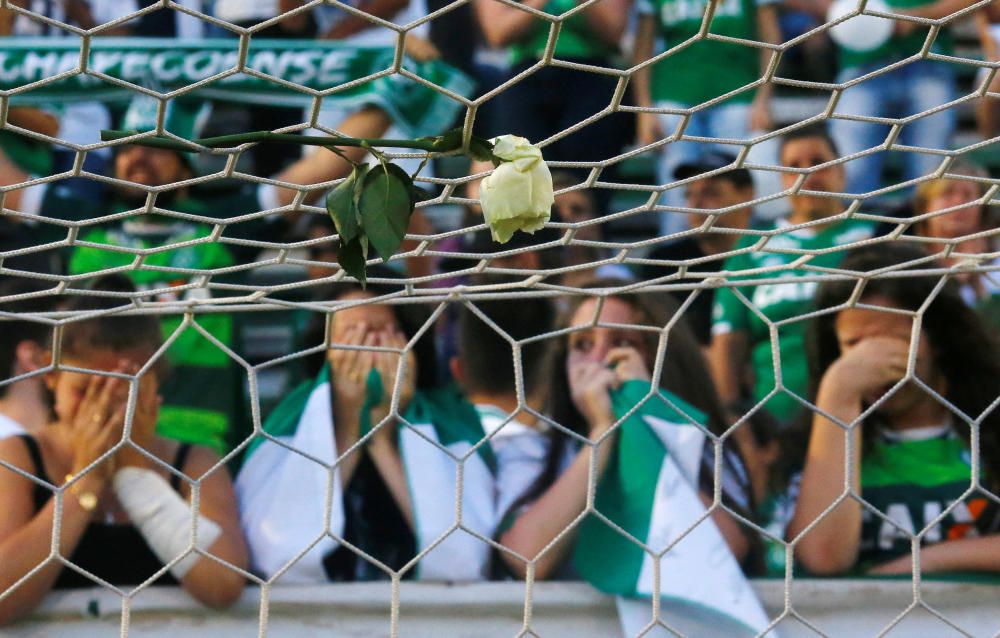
[866, 370]
[96, 424]
[144, 419]
[590, 384]
[648, 129]
[350, 370]
[387, 365]
[627, 364]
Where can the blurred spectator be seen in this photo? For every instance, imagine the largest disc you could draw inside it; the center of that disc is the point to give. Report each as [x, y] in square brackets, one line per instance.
[391, 481]
[25, 405]
[911, 455]
[171, 23]
[726, 190]
[987, 21]
[957, 228]
[988, 28]
[486, 371]
[591, 364]
[696, 74]
[551, 99]
[79, 122]
[739, 337]
[271, 158]
[580, 206]
[915, 87]
[125, 502]
[189, 414]
[334, 23]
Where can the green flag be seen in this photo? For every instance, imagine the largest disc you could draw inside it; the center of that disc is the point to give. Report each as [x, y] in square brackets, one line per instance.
[276, 72]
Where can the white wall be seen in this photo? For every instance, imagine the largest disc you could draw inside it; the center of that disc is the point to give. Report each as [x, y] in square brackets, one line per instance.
[488, 610]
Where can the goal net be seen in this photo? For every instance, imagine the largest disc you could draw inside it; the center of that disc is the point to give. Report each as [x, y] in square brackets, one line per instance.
[753, 340]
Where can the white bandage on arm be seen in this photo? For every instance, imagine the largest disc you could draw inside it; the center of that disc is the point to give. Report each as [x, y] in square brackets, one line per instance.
[163, 517]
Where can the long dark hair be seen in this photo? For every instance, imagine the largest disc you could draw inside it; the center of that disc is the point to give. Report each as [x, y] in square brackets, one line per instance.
[964, 352]
[684, 374]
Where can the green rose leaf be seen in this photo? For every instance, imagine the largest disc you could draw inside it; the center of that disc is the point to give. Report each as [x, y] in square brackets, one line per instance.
[352, 257]
[362, 171]
[449, 141]
[420, 194]
[481, 149]
[342, 206]
[385, 204]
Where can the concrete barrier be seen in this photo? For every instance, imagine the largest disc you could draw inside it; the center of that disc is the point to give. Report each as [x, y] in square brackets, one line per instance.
[845, 608]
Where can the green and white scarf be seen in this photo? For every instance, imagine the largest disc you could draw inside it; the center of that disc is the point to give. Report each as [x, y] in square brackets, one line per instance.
[650, 491]
[284, 485]
[290, 73]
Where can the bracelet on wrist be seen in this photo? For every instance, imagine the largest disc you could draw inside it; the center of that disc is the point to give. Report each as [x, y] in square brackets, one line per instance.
[87, 500]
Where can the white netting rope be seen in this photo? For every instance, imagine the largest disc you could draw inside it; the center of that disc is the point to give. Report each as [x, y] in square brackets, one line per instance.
[435, 291]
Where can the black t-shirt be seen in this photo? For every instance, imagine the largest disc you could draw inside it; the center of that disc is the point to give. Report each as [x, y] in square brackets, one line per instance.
[375, 525]
[19, 235]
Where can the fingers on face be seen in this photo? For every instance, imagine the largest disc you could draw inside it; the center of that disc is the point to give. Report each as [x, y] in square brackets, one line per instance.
[592, 374]
[618, 355]
[345, 359]
[609, 379]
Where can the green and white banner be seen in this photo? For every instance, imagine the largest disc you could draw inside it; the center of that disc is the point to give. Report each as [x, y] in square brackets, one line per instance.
[40, 71]
[650, 490]
[284, 484]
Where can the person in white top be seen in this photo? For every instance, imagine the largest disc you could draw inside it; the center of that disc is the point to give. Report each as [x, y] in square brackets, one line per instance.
[488, 373]
[24, 404]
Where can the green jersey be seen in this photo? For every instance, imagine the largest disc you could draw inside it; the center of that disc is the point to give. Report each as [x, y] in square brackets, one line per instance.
[898, 47]
[203, 393]
[576, 39]
[707, 68]
[780, 301]
[911, 477]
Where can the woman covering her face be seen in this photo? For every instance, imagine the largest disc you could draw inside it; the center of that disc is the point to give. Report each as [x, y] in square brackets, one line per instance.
[909, 428]
[125, 507]
[623, 405]
[371, 441]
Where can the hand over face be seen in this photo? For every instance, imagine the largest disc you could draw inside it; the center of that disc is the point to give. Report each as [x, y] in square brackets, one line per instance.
[591, 383]
[97, 422]
[350, 368]
[871, 367]
[387, 364]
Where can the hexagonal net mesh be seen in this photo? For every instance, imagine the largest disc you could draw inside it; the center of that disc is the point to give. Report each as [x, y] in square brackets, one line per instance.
[756, 333]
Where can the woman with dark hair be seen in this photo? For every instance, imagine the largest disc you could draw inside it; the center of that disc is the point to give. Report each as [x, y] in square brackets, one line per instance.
[126, 512]
[378, 435]
[908, 429]
[633, 409]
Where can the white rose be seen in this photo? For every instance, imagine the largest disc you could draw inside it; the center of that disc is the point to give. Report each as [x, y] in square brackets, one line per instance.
[518, 194]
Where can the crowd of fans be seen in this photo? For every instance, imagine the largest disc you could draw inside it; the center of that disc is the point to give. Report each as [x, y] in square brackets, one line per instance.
[776, 366]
